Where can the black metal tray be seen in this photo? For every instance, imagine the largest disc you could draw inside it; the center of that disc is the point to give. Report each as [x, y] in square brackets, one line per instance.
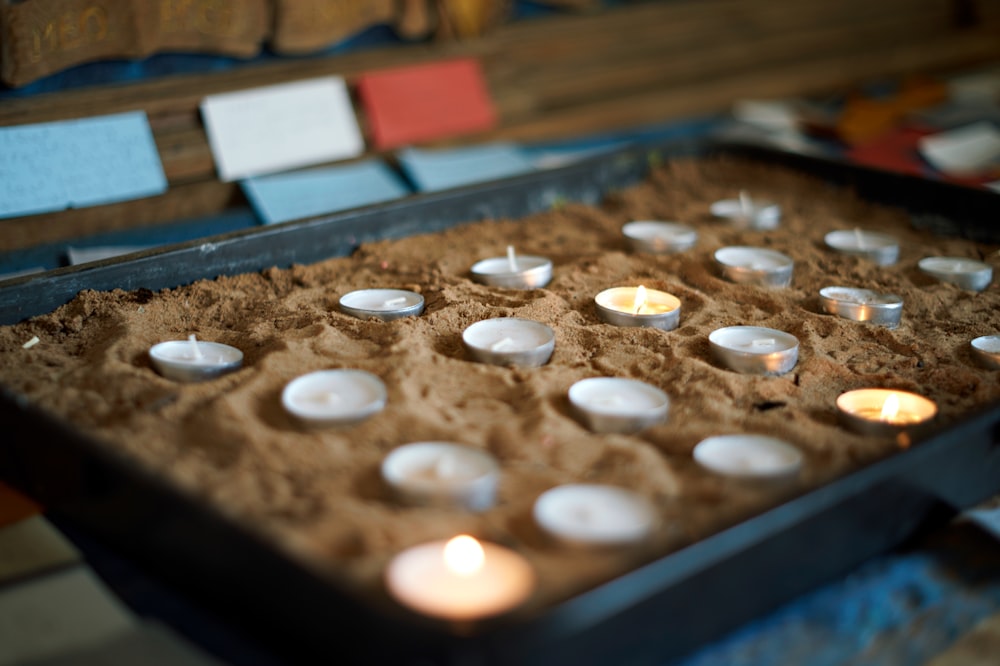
[650, 614]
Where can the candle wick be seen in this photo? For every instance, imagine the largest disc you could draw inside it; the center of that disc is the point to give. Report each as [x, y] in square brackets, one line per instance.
[746, 203]
[762, 342]
[859, 238]
[511, 259]
[195, 349]
[502, 344]
[394, 301]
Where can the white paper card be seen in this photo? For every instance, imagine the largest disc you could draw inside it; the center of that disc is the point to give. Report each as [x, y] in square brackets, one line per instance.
[285, 126]
[33, 545]
[149, 644]
[966, 150]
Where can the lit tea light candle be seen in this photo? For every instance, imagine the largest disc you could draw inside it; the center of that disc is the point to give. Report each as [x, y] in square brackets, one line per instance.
[877, 411]
[875, 246]
[754, 265]
[745, 212]
[966, 273]
[659, 237]
[594, 515]
[334, 397]
[987, 350]
[460, 579]
[862, 305]
[513, 271]
[442, 473]
[383, 304]
[749, 457]
[510, 341]
[616, 405]
[638, 306]
[754, 350]
[194, 360]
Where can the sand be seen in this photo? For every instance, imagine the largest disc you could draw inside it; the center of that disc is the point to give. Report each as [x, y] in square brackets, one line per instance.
[317, 495]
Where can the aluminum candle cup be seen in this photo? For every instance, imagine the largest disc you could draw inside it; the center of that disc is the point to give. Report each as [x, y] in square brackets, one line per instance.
[987, 350]
[862, 305]
[880, 248]
[748, 457]
[754, 265]
[384, 304]
[615, 405]
[460, 579]
[594, 515]
[659, 237]
[884, 412]
[334, 397]
[966, 273]
[638, 306]
[754, 350]
[510, 341]
[193, 360]
[513, 271]
[745, 212]
[442, 473]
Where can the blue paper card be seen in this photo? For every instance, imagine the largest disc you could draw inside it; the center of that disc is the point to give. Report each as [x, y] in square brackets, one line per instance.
[77, 163]
[300, 194]
[432, 170]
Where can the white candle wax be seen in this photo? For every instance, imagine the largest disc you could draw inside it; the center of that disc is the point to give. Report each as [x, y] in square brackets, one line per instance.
[881, 248]
[594, 515]
[442, 473]
[334, 397]
[862, 305]
[383, 304]
[746, 212]
[638, 306]
[754, 349]
[194, 360]
[748, 456]
[659, 237]
[460, 579]
[754, 265]
[513, 271]
[613, 404]
[877, 411]
[510, 341]
[987, 349]
[966, 273]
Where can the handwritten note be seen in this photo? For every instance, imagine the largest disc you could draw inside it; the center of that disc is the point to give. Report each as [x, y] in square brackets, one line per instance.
[432, 170]
[285, 126]
[301, 194]
[76, 163]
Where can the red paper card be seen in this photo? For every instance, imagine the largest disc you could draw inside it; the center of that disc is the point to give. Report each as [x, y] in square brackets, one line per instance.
[14, 506]
[425, 102]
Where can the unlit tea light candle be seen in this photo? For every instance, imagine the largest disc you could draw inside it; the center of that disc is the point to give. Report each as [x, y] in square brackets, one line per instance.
[987, 350]
[638, 306]
[754, 265]
[194, 360]
[746, 212]
[754, 349]
[756, 457]
[442, 473]
[510, 341]
[334, 397]
[383, 304]
[875, 246]
[877, 411]
[659, 237]
[617, 405]
[513, 271]
[862, 305]
[966, 273]
[594, 515]
[460, 579]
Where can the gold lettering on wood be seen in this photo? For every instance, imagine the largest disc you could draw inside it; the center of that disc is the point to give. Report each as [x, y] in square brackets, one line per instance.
[69, 31]
[207, 17]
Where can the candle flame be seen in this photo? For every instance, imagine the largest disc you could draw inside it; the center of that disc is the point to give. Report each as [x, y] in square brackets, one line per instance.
[463, 555]
[640, 299]
[890, 408]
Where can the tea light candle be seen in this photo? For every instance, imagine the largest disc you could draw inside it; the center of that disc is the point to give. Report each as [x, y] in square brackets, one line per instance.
[862, 305]
[880, 248]
[754, 265]
[442, 473]
[659, 237]
[513, 271]
[966, 273]
[749, 457]
[877, 411]
[616, 405]
[638, 306]
[754, 349]
[193, 360]
[594, 515]
[383, 304]
[334, 397]
[746, 212]
[460, 579]
[510, 341]
[987, 349]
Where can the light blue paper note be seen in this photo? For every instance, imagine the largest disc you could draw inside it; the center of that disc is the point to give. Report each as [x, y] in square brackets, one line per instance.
[432, 170]
[300, 194]
[77, 163]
